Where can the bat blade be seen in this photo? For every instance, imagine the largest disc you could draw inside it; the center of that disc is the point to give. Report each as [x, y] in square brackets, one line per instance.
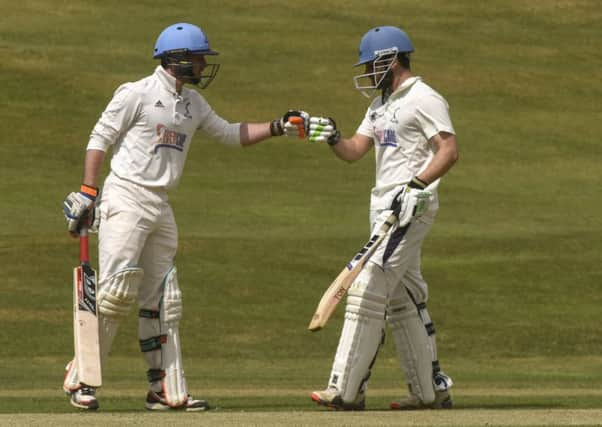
[85, 326]
[341, 284]
[333, 295]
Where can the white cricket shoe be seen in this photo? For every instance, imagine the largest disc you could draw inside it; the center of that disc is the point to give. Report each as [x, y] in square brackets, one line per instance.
[411, 402]
[332, 399]
[156, 402]
[84, 398]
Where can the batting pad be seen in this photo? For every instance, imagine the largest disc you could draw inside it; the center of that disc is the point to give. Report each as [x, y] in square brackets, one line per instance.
[115, 298]
[362, 333]
[174, 383]
[118, 293]
[413, 347]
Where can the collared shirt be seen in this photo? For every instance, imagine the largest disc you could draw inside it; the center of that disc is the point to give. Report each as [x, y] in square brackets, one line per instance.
[401, 128]
[151, 126]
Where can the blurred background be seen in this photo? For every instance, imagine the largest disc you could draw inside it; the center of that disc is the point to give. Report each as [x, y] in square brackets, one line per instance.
[513, 261]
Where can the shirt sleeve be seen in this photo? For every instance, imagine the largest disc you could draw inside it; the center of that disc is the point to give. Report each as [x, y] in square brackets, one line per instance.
[115, 119]
[432, 114]
[215, 126]
[366, 127]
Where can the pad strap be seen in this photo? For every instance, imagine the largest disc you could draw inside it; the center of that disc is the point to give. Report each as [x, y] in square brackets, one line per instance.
[154, 375]
[149, 314]
[152, 343]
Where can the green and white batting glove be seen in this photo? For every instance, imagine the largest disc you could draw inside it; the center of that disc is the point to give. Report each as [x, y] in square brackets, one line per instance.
[411, 202]
[323, 129]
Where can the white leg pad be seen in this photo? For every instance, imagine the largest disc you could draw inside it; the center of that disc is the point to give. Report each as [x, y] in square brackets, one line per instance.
[174, 383]
[429, 326]
[160, 342]
[441, 381]
[71, 382]
[362, 333]
[413, 346]
[115, 298]
[118, 293]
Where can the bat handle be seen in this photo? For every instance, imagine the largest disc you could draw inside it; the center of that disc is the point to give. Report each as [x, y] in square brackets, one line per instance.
[84, 249]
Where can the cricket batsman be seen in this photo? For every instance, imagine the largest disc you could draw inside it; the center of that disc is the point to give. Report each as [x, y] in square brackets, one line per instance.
[409, 127]
[149, 125]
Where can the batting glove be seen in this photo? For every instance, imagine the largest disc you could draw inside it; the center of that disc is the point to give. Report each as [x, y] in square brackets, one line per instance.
[94, 220]
[323, 129]
[78, 208]
[293, 123]
[411, 202]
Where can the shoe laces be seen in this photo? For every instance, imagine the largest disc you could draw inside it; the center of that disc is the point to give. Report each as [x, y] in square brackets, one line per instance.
[88, 391]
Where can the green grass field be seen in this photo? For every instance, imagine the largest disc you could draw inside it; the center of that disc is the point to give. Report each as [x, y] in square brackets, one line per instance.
[513, 261]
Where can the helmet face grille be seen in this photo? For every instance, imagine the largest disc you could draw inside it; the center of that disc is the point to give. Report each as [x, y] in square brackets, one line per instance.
[369, 82]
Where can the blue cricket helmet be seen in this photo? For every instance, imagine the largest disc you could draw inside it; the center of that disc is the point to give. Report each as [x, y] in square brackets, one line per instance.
[182, 37]
[380, 39]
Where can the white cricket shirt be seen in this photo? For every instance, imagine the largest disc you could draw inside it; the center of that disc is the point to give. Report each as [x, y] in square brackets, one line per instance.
[151, 127]
[401, 129]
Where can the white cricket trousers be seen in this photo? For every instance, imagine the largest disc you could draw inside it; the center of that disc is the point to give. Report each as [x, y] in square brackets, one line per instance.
[400, 255]
[137, 229]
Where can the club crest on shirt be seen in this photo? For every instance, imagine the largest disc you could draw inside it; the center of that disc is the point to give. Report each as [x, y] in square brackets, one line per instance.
[375, 115]
[387, 138]
[169, 138]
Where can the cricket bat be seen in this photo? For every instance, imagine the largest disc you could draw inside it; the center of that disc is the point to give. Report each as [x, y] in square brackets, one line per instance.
[339, 287]
[85, 317]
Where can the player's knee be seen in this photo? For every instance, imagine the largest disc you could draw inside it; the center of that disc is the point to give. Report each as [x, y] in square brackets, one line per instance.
[366, 297]
[416, 285]
[400, 309]
[118, 293]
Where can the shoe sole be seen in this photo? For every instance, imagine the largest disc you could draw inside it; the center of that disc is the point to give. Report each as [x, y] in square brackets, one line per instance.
[91, 407]
[161, 407]
[321, 402]
[337, 407]
[156, 407]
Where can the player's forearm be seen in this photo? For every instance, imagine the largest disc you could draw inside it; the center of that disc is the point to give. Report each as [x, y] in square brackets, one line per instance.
[92, 166]
[252, 133]
[447, 154]
[351, 149]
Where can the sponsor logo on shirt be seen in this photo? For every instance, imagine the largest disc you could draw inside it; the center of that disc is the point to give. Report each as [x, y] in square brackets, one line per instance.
[387, 138]
[394, 118]
[159, 104]
[169, 138]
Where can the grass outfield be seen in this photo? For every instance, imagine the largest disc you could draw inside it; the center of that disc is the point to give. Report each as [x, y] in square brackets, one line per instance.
[459, 418]
[513, 261]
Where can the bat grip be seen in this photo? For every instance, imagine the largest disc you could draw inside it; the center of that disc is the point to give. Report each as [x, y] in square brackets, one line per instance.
[84, 249]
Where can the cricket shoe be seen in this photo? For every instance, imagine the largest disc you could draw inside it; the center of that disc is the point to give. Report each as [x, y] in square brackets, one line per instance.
[332, 399]
[443, 400]
[84, 398]
[156, 402]
[442, 381]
